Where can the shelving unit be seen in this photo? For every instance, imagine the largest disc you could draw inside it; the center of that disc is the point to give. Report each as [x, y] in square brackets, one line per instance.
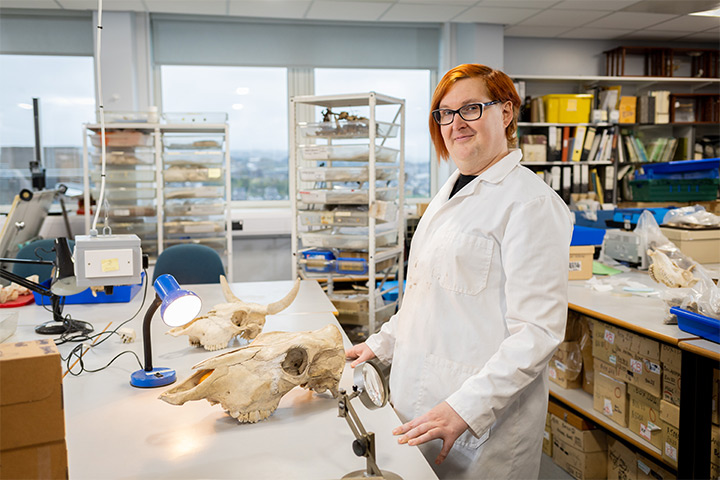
[347, 195]
[703, 90]
[175, 183]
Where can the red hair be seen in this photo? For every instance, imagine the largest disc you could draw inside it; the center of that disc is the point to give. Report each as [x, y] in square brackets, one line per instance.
[499, 87]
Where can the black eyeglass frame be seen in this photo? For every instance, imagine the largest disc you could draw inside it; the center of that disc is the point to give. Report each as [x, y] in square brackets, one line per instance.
[436, 113]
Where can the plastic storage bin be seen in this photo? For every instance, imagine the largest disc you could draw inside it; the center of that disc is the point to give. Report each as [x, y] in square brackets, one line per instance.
[628, 217]
[190, 208]
[318, 261]
[128, 156]
[681, 190]
[347, 153]
[191, 117]
[193, 174]
[124, 175]
[194, 142]
[683, 169]
[197, 158]
[341, 217]
[697, 324]
[392, 295]
[121, 294]
[601, 217]
[328, 239]
[347, 196]
[347, 129]
[123, 138]
[567, 108]
[587, 236]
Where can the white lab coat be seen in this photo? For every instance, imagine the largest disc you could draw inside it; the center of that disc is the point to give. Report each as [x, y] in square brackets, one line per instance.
[485, 306]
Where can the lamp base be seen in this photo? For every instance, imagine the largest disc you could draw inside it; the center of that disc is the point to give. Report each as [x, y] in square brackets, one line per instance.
[67, 326]
[362, 474]
[157, 377]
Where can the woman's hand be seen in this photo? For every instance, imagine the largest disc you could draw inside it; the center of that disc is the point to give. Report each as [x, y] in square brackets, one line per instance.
[440, 422]
[360, 353]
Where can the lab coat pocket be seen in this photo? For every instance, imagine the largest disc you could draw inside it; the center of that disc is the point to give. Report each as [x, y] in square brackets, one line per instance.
[440, 378]
[463, 262]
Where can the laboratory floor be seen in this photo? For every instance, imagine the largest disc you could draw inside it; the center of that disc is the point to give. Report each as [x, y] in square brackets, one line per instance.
[550, 471]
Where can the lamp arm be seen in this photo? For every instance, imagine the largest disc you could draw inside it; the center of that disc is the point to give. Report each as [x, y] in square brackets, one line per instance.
[147, 347]
[346, 410]
[24, 282]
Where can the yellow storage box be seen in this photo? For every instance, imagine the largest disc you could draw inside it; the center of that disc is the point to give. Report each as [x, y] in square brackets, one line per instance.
[567, 108]
[581, 261]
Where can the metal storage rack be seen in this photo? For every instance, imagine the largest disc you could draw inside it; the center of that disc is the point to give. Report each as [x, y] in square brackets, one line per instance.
[347, 195]
[168, 183]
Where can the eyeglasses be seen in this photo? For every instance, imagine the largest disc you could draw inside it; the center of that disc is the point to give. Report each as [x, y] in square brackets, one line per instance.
[469, 112]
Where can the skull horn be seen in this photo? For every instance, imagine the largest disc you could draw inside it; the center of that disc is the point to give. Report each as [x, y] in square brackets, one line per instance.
[282, 304]
[229, 296]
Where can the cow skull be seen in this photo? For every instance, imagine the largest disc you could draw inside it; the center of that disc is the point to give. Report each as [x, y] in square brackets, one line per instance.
[225, 321]
[249, 382]
[664, 270]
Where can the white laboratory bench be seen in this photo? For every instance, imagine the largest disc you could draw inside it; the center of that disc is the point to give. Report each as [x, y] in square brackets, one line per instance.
[116, 431]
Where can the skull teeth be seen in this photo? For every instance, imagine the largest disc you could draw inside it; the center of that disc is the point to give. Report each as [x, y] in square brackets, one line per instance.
[251, 417]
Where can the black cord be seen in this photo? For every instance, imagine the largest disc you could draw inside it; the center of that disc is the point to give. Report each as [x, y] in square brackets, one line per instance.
[77, 351]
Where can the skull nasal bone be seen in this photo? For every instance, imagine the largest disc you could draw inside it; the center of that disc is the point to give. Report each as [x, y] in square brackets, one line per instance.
[296, 360]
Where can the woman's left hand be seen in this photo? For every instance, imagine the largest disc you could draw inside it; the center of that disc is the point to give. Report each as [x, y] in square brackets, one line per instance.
[440, 422]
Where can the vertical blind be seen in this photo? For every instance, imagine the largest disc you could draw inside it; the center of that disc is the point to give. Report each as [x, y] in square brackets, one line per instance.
[223, 41]
[46, 34]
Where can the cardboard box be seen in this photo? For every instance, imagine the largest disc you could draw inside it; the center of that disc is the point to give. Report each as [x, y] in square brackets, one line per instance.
[715, 442]
[644, 418]
[670, 415]
[715, 399]
[566, 415]
[700, 245]
[547, 441]
[649, 470]
[565, 366]
[47, 461]
[610, 398]
[641, 371]
[581, 465]
[581, 259]
[586, 351]
[603, 337]
[584, 440]
[622, 463]
[671, 360]
[714, 471]
[31, 397]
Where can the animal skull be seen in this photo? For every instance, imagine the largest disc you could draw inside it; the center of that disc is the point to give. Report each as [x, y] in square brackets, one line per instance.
[225, 321]
[664, 270]
[250, 381]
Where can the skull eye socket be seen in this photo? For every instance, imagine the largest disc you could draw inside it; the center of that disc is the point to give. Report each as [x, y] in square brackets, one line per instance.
[296, 360]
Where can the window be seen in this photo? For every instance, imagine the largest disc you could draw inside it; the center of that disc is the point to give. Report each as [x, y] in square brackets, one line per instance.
[65, 87]
[411, 85]
[256, 101]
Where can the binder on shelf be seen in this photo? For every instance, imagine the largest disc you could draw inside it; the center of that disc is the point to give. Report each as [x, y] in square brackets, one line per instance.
[566, 183]
[646, 109]
[641, 150]
[609, 184]
[596, 184]
[556, 179]
[628, 107]
[584, 178]
[578, 143]
[565, 144]
[554, 144]
[662, 106]
[576, 173]
[587, 145]
[595, 146]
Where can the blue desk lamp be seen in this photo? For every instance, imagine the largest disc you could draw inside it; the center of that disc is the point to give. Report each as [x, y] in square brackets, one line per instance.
[177, 307]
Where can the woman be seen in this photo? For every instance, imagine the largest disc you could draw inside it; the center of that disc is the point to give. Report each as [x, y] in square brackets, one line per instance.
[486, 295]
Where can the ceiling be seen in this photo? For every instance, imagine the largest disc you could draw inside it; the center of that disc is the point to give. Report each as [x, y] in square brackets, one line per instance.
[652, 20]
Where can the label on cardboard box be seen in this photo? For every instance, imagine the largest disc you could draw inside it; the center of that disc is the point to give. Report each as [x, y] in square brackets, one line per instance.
[611, 395]
[609, 336]
[584, 440]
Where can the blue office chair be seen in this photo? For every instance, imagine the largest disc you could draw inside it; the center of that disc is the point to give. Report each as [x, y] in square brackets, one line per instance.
[190, 263]
[37, 250]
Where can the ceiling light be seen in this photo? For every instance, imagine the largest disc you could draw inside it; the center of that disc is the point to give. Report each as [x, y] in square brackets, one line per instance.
[242, 90]
[707, 13]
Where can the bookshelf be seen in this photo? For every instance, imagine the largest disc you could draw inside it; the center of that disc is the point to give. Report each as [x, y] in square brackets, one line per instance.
[690, 127]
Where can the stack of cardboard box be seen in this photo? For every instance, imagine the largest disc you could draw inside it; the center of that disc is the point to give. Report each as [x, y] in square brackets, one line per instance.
[715, 429]
[578, 447]
[670, 357]
[32, 431]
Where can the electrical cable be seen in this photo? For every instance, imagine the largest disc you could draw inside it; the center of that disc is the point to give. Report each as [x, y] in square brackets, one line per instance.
[79, 350]
[101, 111]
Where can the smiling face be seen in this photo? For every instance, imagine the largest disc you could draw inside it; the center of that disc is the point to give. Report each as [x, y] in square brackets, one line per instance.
[475, 145]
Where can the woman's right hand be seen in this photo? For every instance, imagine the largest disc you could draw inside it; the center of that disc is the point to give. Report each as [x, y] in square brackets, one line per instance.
[359, 353]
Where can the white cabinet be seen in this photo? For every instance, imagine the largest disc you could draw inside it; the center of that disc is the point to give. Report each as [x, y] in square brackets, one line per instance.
[346, 189]
[168, 183]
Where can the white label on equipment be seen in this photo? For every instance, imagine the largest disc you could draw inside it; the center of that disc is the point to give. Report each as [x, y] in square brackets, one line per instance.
[315, 153]
[108, 263]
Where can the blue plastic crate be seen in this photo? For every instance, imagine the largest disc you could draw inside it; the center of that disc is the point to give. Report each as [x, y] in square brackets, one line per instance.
[351, 265]
[121, 294]
[391, 295]
[632, 215]
[587, 235]
[324, 259]
[697, 324]
[601, 215]
[681, 170]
